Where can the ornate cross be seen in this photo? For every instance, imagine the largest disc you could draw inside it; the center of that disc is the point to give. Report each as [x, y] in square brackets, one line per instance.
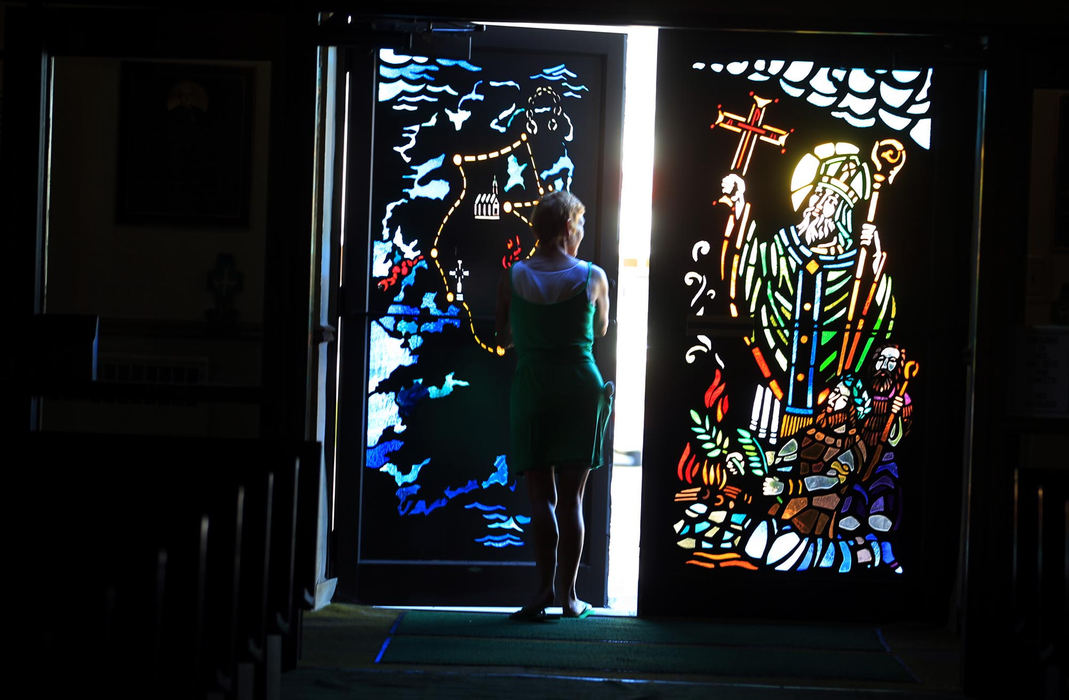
[750, 130]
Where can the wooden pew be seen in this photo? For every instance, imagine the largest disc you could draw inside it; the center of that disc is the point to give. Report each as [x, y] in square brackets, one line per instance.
[189, 558]
[1041, 578]
[120, 569]
[305, 574]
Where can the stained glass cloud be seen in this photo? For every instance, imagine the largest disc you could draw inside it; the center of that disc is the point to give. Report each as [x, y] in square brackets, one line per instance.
[859, 96]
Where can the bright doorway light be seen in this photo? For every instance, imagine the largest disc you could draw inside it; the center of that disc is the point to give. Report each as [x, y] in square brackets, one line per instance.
[640, 79]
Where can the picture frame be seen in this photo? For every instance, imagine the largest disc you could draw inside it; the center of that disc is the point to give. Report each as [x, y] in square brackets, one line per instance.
[185, 141]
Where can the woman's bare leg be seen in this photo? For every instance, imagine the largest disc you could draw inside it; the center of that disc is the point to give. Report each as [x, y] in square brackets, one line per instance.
[542, 493]
[571, 484]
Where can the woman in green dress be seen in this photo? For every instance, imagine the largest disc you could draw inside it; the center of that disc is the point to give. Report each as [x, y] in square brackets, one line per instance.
[550, 307]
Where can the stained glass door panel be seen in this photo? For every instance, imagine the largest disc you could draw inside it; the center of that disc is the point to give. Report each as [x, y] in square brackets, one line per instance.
[794, 438]
[463, 148]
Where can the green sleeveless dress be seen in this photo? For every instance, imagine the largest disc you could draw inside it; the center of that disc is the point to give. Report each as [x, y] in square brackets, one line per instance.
[559, 406]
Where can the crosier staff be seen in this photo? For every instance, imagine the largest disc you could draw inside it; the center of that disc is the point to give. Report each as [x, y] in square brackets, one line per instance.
[888, 155]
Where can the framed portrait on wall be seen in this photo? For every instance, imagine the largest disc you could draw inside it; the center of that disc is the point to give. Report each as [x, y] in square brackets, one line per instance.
[185, 135]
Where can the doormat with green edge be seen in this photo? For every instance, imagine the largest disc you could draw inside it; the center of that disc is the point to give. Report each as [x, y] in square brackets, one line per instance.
[621, 645]
[633, 629]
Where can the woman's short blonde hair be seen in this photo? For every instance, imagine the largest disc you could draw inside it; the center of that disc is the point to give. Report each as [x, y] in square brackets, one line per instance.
[553, 213]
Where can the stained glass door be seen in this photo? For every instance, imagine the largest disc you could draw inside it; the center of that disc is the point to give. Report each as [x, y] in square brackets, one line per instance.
[461, 149]
[809, 300]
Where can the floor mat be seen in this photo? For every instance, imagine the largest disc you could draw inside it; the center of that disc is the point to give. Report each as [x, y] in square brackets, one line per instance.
[631, 629]
[643, 646]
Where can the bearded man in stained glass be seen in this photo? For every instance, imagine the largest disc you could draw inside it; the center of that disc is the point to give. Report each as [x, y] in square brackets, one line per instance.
[826, 460]
[809, 289]
[872, 503]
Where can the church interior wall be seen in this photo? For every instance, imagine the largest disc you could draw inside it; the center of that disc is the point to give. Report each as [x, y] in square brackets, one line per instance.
[148, 282]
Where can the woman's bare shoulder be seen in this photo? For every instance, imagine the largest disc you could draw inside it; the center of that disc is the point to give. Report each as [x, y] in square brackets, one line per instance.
[597, 272]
